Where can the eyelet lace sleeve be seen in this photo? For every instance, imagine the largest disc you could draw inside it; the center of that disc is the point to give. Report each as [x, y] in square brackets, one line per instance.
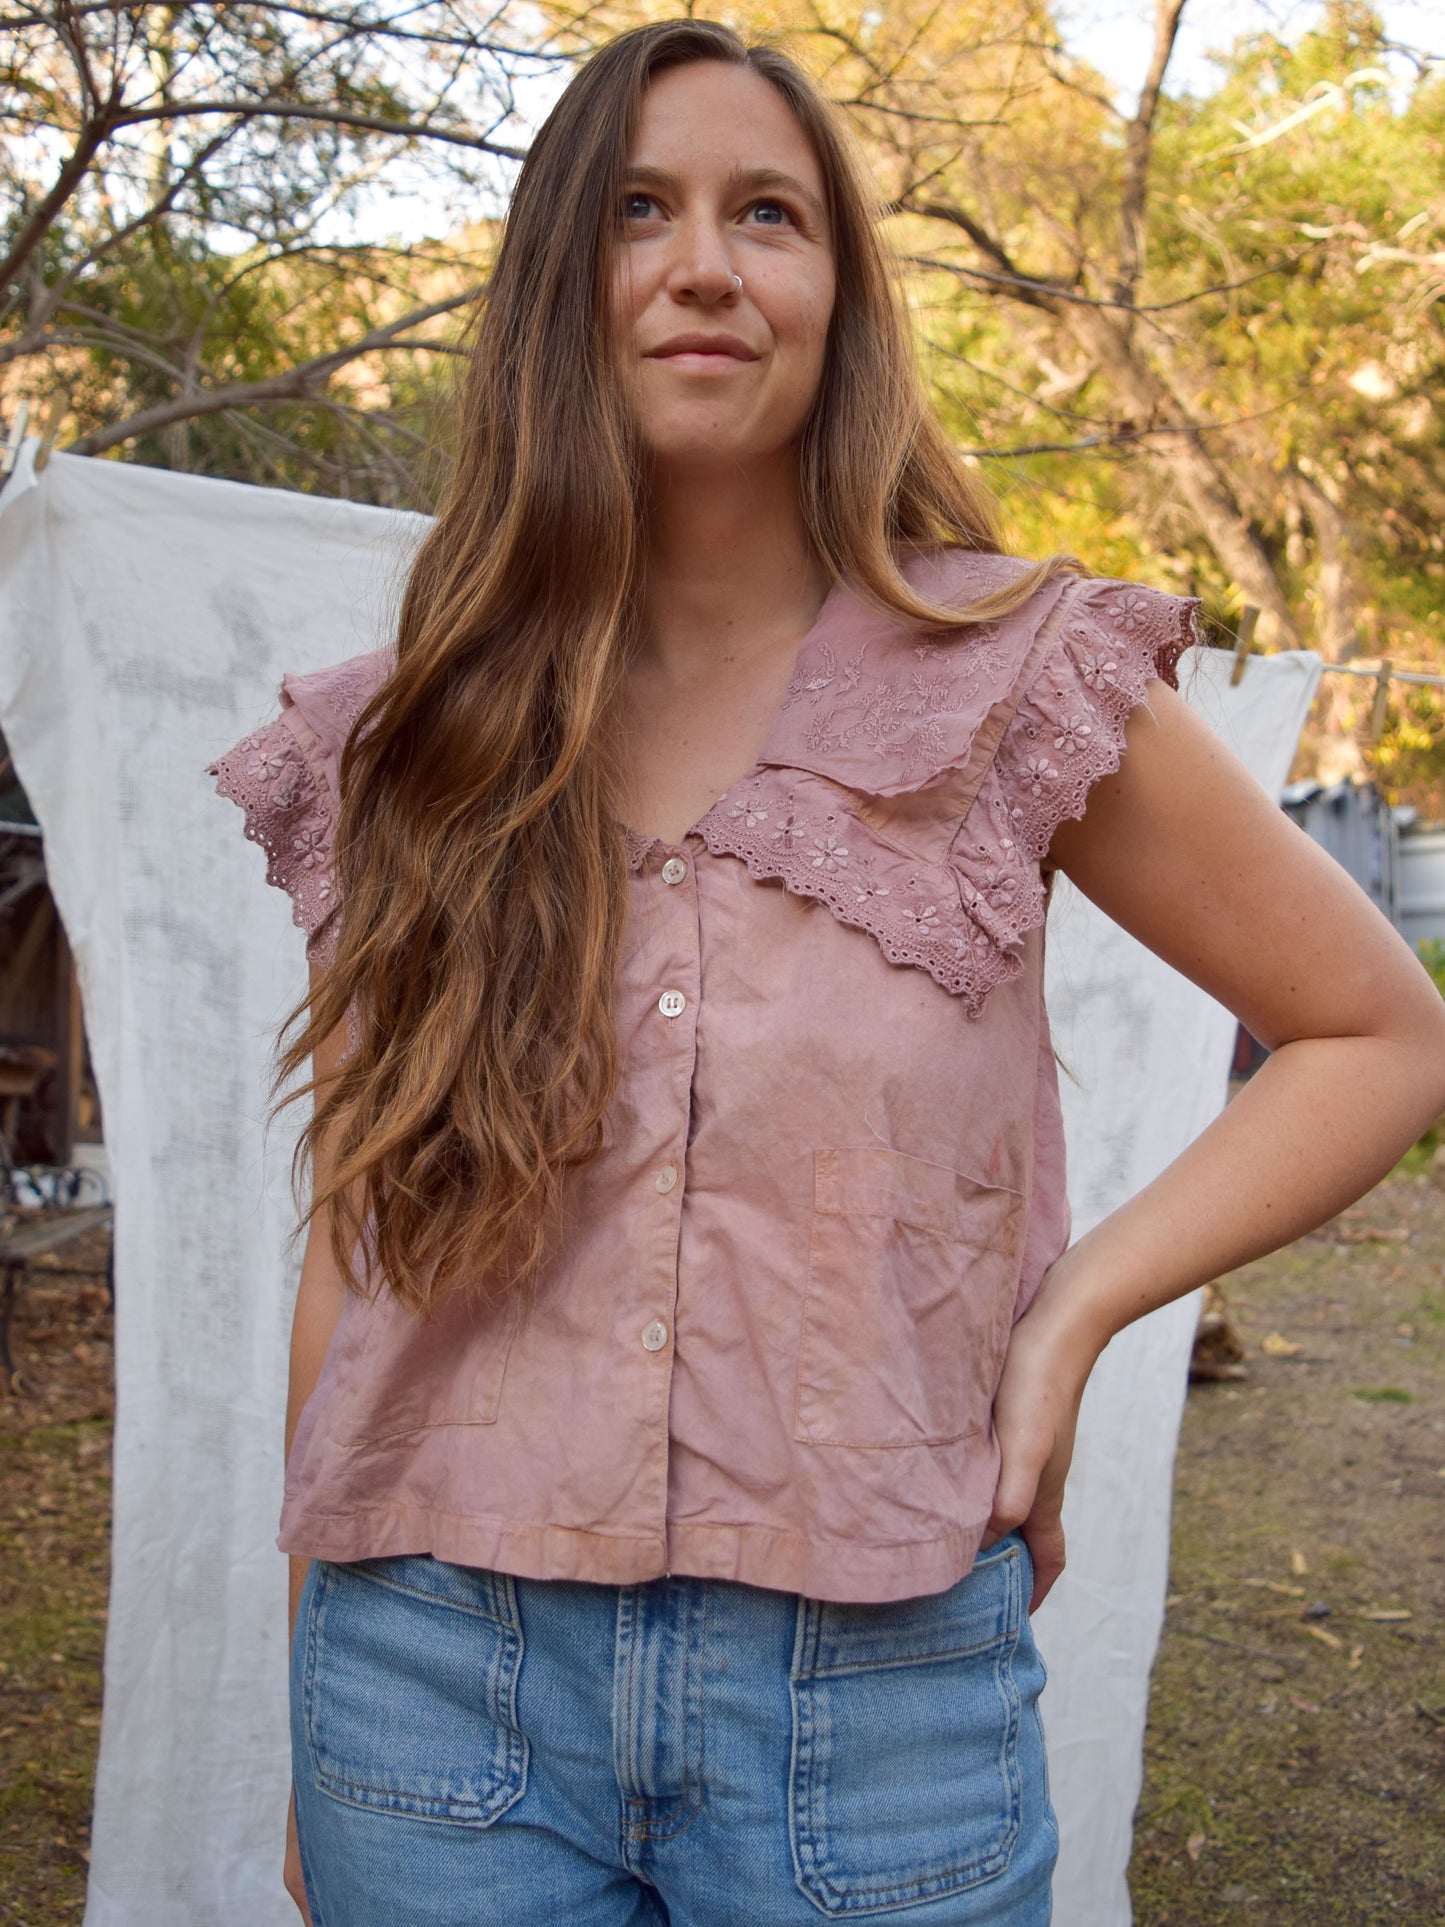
[1065, 735]
[286, 778]
[1068, 730]
[290, 812]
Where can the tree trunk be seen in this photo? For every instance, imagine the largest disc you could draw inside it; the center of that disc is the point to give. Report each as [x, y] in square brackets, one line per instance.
[1204, 486]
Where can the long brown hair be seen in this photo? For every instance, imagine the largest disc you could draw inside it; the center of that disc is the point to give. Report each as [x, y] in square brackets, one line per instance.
[479, 860]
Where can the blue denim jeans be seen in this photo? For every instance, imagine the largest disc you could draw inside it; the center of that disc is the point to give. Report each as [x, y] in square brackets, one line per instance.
[473, 1749]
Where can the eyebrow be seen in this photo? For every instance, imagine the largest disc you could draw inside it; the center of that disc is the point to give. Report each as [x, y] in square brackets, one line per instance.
[741, 177]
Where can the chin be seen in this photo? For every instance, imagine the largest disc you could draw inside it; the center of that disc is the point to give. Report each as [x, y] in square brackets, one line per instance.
[712, 447]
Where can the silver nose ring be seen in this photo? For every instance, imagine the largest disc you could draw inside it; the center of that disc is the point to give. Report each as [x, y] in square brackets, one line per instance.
[738, 283]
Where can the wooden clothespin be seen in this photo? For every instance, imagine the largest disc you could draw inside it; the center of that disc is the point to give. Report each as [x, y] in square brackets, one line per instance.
[1382, 693]
[1248, 617]
[14, 438]
[55, 414]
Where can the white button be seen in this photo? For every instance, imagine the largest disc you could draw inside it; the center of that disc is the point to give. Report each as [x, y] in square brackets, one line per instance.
[672, 1003]
[666, 1177]
[654, 1336]
[674, 870]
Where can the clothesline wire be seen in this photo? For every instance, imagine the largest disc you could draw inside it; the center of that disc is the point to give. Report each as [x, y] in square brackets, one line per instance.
[1381, 675]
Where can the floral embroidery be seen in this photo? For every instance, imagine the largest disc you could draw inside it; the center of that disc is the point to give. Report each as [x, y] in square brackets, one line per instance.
[1097, 671]
[312, 848]
[964, 916]
[1131, 611]
[788, 832]
[271, 762]
[1073, 734]
[1040, 771]
[750, 811]
[1000, 888]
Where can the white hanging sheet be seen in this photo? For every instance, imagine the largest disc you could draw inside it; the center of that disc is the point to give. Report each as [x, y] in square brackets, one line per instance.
[145, 621]
[1147, 1057]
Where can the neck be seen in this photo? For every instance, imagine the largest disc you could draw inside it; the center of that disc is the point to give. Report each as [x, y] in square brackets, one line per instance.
[732, 577]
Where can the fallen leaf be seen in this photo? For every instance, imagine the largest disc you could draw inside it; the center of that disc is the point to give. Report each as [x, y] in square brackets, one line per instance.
[1304, 1705]
[1278, 1346]
[1398, 1235]
[1326, 1639]
[1273, 1585]
[1194, 1846]
[1382, 1616]
[1357, 1653]
[1298, 1564]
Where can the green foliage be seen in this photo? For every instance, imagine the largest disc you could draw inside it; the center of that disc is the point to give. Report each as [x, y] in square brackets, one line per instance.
[1432, 954]
[1302, 327]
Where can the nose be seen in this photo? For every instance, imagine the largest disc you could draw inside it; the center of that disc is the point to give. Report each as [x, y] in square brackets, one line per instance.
[701, 269]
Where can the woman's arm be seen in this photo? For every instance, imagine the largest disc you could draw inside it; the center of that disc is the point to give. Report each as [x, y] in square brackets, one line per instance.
[1184, 850]
[319, 1299]
[319, 1296]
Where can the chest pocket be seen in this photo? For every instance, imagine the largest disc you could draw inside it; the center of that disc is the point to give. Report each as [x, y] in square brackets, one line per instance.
[912, 1275]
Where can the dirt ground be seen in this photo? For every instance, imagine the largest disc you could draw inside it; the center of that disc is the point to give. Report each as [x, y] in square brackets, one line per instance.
[1295, 1763]
[1295, 1768]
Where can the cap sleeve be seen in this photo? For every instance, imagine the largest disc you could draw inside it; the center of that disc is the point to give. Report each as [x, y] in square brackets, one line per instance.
[277, 777]
[1067, 732]
[286, 778]
[1064, 731]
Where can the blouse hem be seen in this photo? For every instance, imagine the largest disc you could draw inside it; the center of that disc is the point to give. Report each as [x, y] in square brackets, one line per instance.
[848, 1572]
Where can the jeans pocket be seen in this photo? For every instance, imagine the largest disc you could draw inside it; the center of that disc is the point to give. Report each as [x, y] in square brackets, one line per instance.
[409, 1688]
[904, 1780]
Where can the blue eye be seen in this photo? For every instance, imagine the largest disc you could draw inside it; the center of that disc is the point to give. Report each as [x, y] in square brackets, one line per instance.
[776, 207]
[630, 211]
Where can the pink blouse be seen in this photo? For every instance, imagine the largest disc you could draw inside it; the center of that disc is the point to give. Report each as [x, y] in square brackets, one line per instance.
[768, 1344]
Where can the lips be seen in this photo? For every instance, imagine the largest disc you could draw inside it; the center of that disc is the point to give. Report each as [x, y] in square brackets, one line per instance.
[715, 347]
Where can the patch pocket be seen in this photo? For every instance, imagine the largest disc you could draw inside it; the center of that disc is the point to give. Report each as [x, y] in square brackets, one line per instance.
[395, 1372]
[912, 1275]
[904, 1782]
[409, 1694]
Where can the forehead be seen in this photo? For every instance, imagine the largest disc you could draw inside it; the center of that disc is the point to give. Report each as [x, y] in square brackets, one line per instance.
[709, 116]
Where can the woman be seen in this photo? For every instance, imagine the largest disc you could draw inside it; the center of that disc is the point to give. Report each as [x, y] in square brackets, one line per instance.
[667, 1502]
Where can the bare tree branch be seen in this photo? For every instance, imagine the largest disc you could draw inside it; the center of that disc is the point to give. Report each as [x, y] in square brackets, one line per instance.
[300, 383]
[93, 136]
[330, 116]
[1139, 149]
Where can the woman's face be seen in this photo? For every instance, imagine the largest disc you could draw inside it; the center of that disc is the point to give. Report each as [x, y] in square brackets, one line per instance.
[721, 181]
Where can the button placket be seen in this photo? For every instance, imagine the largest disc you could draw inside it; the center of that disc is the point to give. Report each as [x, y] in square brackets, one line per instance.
[677, 962]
